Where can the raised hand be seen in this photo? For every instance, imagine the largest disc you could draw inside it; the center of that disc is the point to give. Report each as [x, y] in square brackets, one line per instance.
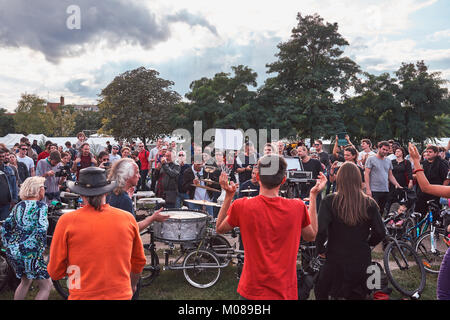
[229, 187]
[320, 184]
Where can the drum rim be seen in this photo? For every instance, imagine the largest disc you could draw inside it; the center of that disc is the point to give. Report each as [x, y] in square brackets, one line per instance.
[205, 217]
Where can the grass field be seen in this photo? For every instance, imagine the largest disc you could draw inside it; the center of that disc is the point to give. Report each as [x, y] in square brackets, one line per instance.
[171, 285]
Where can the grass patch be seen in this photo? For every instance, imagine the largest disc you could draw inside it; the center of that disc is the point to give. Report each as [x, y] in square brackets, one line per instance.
[171, 285]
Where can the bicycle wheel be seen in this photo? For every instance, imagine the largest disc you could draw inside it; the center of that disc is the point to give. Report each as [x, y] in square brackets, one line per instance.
[201, 268]
[151, 269]
[61, 286]
[410, 236]
[404, 269]
[432, 260]
[220, 246]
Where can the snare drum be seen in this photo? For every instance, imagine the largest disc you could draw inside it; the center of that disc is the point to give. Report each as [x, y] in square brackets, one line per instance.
[183, 225]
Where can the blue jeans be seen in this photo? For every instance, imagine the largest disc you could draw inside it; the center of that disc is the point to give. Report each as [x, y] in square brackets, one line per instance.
[4, 211]
[180, 198]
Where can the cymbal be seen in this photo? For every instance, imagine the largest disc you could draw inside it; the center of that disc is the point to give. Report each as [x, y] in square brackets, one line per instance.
[209, 181]
[205, 187]
[203, 203]
[249, 190]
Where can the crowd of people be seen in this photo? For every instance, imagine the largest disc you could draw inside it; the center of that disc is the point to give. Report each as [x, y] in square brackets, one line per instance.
[355, 187]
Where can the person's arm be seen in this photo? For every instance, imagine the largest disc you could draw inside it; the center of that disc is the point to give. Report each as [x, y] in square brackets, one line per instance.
[377, 230]
[137, 258]
[171, 172]
[409, 174]
[336, 148]
[325, 218]
[222, 225]
[367, 181]
[156, 216]
[32, 172]
[333, 171]
[393, 180]
[309, 232]
[349, 142]
[425, 186]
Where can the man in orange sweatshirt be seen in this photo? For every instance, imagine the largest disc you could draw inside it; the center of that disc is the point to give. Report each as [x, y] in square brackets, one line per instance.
[98, 247]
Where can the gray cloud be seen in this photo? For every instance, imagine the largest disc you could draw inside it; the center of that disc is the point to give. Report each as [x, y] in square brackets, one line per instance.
[190, 19]
[42, 25]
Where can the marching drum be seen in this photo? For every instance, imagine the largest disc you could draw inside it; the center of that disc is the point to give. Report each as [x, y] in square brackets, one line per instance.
[183, 225]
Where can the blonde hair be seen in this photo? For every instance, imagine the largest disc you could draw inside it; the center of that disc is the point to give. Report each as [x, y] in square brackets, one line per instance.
[30, 187]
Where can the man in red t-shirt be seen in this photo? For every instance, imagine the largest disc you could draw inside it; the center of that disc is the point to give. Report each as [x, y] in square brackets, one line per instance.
[49, 149]
[143, 158]
[271, 227]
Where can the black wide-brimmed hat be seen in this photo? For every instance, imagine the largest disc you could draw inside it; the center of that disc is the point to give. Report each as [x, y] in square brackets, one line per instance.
[92, 182]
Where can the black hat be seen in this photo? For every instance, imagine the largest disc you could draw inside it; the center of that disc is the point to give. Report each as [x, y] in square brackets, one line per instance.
[92, 182]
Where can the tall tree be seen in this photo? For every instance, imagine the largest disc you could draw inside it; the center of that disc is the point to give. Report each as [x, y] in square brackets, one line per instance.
[87, 120]
[59, 123]
[414, 106]
[6, 123]
[425, 100]
[138, 104]
[309, 69]
[30, 113]
[223, 101]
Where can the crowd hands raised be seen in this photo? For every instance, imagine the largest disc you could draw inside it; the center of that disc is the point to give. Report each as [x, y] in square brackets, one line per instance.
[368, 177]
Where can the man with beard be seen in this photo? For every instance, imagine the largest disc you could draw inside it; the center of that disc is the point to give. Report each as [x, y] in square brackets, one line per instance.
[377, 174]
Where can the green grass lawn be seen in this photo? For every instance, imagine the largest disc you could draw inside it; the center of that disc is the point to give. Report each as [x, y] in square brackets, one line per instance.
[171, 285]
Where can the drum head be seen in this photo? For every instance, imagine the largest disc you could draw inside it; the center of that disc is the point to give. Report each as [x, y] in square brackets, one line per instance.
[183, 214]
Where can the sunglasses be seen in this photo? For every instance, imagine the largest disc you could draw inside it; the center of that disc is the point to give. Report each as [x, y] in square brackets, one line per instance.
[24, 148]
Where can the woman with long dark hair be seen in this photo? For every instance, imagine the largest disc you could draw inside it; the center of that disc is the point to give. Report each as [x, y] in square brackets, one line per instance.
[351, 222]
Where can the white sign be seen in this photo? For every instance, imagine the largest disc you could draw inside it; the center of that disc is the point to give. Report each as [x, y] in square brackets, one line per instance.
[228, 139]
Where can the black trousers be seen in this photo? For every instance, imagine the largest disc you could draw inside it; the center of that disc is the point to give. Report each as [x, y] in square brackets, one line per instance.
[381, 198]
[143, 180]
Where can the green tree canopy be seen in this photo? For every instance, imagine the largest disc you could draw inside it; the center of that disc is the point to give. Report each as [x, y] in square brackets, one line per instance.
[138, 104]
[224, 101]
[310, 67]
[6, 123]
[414, 106]
[30, 114]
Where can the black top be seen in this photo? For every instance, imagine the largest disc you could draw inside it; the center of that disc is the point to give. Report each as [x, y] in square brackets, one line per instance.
[347, 243]
[402, 172]
[314, 166]
[246, 186]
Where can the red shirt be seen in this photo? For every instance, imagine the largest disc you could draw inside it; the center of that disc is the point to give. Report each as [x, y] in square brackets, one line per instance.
[143, 157]
[270, 230]
[44, 154]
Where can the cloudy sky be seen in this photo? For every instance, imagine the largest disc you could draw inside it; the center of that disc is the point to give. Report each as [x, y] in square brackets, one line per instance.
[46, 50]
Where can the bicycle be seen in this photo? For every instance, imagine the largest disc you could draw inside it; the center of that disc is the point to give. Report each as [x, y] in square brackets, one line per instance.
[432, 245]
[402, 261]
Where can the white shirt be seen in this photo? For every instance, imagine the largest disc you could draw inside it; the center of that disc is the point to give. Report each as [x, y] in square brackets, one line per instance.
[27, 160]
[113, 158]
[200, 193]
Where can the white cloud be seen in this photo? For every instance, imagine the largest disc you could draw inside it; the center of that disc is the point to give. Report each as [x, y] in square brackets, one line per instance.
[440, 35]
[367, 25]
